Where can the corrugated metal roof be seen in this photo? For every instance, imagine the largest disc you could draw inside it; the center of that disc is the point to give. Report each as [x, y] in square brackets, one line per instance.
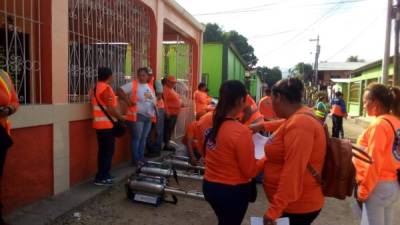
[340, 66]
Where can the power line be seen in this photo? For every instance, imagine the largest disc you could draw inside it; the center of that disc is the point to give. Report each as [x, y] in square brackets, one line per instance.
[356, 37]
[323, 17]
[264, 7]
[272, 34]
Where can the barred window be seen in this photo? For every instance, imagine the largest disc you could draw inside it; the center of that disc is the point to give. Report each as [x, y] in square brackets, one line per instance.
[20, 45]
[113, 34]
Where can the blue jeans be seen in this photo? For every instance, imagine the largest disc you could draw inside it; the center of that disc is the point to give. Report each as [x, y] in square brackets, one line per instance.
[157, 145]
[140, 130]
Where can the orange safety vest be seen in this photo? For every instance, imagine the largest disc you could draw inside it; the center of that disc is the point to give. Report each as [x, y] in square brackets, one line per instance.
[6, 87]
[337, 110]
[100, 120]
[131, 114]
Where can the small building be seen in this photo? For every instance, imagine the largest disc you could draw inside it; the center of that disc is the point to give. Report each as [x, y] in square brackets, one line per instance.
[221, 62]
[335, 70]
[360, 78]
[52, 49]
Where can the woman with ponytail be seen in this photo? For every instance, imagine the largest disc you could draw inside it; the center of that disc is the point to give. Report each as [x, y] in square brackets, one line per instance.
[229, 156]
[378, 186]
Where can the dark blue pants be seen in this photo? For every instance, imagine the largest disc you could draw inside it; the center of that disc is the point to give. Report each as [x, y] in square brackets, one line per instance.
[156, 145]
[106, 142]
[337, 126]
[302, 219]
[228, 202]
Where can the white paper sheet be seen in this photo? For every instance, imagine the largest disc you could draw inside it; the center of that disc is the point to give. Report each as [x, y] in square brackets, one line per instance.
[260, 221]
[259, 143]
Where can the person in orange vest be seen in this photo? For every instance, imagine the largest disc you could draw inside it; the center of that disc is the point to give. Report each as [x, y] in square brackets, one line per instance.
[155, 140]
[173, 106]
[201, 100]
[8, 105]
[338, 112]
[250, 114]
[230, 162]
[378, 183]
[265, 106]
[103, 95]
[204, 125]
[141, 101]
[300, 141]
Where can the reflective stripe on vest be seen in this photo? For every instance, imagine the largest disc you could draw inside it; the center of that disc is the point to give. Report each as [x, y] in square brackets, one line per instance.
[100, 120]
[6, 83]
[132, 110]
[319, 114]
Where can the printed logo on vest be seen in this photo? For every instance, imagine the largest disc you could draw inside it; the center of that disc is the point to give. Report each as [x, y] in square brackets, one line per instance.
[396, 146]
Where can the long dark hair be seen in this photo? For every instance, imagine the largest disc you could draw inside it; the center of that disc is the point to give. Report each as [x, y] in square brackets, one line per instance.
[230, 93]
[388, 97]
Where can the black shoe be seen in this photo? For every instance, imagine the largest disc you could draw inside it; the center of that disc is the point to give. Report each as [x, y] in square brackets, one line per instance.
[106, 182]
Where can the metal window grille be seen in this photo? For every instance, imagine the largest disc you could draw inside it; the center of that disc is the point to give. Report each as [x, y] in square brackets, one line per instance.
[20, 55]
[177, 61]
[113, 34]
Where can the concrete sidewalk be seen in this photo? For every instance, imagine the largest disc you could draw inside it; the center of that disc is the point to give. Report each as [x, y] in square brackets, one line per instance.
[47, 210]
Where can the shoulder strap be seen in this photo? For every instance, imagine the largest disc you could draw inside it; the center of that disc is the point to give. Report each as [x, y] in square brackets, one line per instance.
[310, 168]
[102, 107]
[391, 124]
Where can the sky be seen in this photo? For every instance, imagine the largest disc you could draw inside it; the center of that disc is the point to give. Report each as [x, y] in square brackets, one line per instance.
[280, 30]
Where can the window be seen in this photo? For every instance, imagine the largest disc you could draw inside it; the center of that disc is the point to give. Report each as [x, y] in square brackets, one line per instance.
[115, 34]
[20, 55]
[355, 91]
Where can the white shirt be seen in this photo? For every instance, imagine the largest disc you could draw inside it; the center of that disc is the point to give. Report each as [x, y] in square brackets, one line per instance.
[146, 98]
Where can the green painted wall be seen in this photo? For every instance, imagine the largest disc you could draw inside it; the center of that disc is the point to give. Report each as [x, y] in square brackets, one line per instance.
[236, 70]
[176, 60]
[366, 77]
[212, 66]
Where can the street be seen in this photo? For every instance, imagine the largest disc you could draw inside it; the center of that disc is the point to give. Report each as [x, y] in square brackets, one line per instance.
[114, 208]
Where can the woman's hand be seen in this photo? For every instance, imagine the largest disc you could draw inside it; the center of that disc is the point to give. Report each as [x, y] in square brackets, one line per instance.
[268, 221]
[257, 127]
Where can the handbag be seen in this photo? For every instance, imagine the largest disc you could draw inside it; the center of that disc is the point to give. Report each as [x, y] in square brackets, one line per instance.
[119, 127]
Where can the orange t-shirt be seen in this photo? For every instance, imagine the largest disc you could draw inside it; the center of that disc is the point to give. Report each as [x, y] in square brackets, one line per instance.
[205, 123]
[231, 161]
[190, 134]
[378, 140]
[266, 109]
[172, 101]
[288, 183]
[255, 113]
[201, 100]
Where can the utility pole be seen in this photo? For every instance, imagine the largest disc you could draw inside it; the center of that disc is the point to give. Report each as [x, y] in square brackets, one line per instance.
[317, 51]
[396, 74]
[386, 56]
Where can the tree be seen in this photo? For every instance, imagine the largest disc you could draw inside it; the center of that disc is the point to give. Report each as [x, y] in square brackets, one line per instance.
[354, 58]
[304, 71]
[213, 33]
[269, 76]
[242, 45]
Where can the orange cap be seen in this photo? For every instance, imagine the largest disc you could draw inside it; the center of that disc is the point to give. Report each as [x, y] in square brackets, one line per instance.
[171, 79]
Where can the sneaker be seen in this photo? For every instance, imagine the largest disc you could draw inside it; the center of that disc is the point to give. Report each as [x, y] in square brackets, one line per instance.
[106, 182]
[110, 177]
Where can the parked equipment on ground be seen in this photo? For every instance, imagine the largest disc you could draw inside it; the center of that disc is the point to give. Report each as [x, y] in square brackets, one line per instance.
[154, 190]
